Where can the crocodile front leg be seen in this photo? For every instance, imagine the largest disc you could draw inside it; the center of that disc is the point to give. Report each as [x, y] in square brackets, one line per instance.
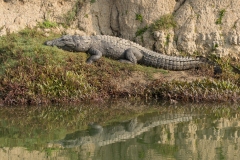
[132, 55]
[95, 55]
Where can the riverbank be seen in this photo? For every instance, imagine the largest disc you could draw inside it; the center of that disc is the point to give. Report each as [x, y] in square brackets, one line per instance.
[32, 73]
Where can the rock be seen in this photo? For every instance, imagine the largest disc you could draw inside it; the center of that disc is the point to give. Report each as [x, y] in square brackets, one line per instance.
[56, 30]
[11, 28]
[70, 31]
[187, 37]
[16, 15]
[39, 29]
[31, 24]
[80, 33]
[3, 31]
[47, 30]
[46, 34]
[160, 43]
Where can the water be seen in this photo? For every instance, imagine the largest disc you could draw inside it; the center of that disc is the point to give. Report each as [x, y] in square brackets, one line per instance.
[124, 131]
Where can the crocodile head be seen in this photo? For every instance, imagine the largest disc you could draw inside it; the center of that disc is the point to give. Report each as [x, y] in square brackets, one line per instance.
[65, 42]
[71, 43]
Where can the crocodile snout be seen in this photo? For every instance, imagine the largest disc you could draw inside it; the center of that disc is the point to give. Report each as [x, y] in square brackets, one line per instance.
[48, 43]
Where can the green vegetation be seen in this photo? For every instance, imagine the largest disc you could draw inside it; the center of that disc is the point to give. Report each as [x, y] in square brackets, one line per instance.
[229, 72]
[198, 90]
[139, 17]
[221, 13]
[70, 16]
[215, 46]
[141, 31]
[167, 39]
[224, 87]
[32, 73]
[164, 23]
[47, 24]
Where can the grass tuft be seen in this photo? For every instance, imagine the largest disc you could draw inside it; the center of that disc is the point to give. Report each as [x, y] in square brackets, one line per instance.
[165, 22]
[221, 14]
[197, 91]
[47, 24]
[141, 31]
[139, 17]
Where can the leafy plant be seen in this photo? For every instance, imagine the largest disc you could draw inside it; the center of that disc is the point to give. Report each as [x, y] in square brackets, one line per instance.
[141, 31]
[47, 24]
[139, 17]
[70, 16]
[164, 23]
[167, 39]
[221, 13]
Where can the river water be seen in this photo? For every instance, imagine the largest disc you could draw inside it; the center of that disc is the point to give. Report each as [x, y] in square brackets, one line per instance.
[126, 131]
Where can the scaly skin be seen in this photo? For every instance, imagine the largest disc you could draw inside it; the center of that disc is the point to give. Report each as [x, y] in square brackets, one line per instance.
[123, 50]
[122, 131]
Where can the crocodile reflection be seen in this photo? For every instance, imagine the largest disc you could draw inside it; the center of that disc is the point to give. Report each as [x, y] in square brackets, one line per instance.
[101, 136]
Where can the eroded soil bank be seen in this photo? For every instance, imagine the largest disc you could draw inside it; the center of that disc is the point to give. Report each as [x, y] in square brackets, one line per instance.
[32, 73]
[170, 27]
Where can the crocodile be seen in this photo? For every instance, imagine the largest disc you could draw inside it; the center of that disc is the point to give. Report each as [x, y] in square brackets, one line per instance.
[102, 136]
[122, 50]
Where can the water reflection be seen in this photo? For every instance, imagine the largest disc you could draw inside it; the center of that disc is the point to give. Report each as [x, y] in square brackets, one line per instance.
[102, 136]
[183, 132]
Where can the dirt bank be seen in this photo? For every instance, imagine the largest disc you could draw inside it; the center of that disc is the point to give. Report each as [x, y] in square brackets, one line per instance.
[170, 27]
[32, 73]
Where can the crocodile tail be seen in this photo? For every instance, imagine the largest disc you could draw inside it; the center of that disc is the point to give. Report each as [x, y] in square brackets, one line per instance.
[171, 62]
[217, 68]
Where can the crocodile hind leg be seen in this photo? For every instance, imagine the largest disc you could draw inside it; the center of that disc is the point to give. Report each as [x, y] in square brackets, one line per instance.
[132, 55]
[95, 55]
